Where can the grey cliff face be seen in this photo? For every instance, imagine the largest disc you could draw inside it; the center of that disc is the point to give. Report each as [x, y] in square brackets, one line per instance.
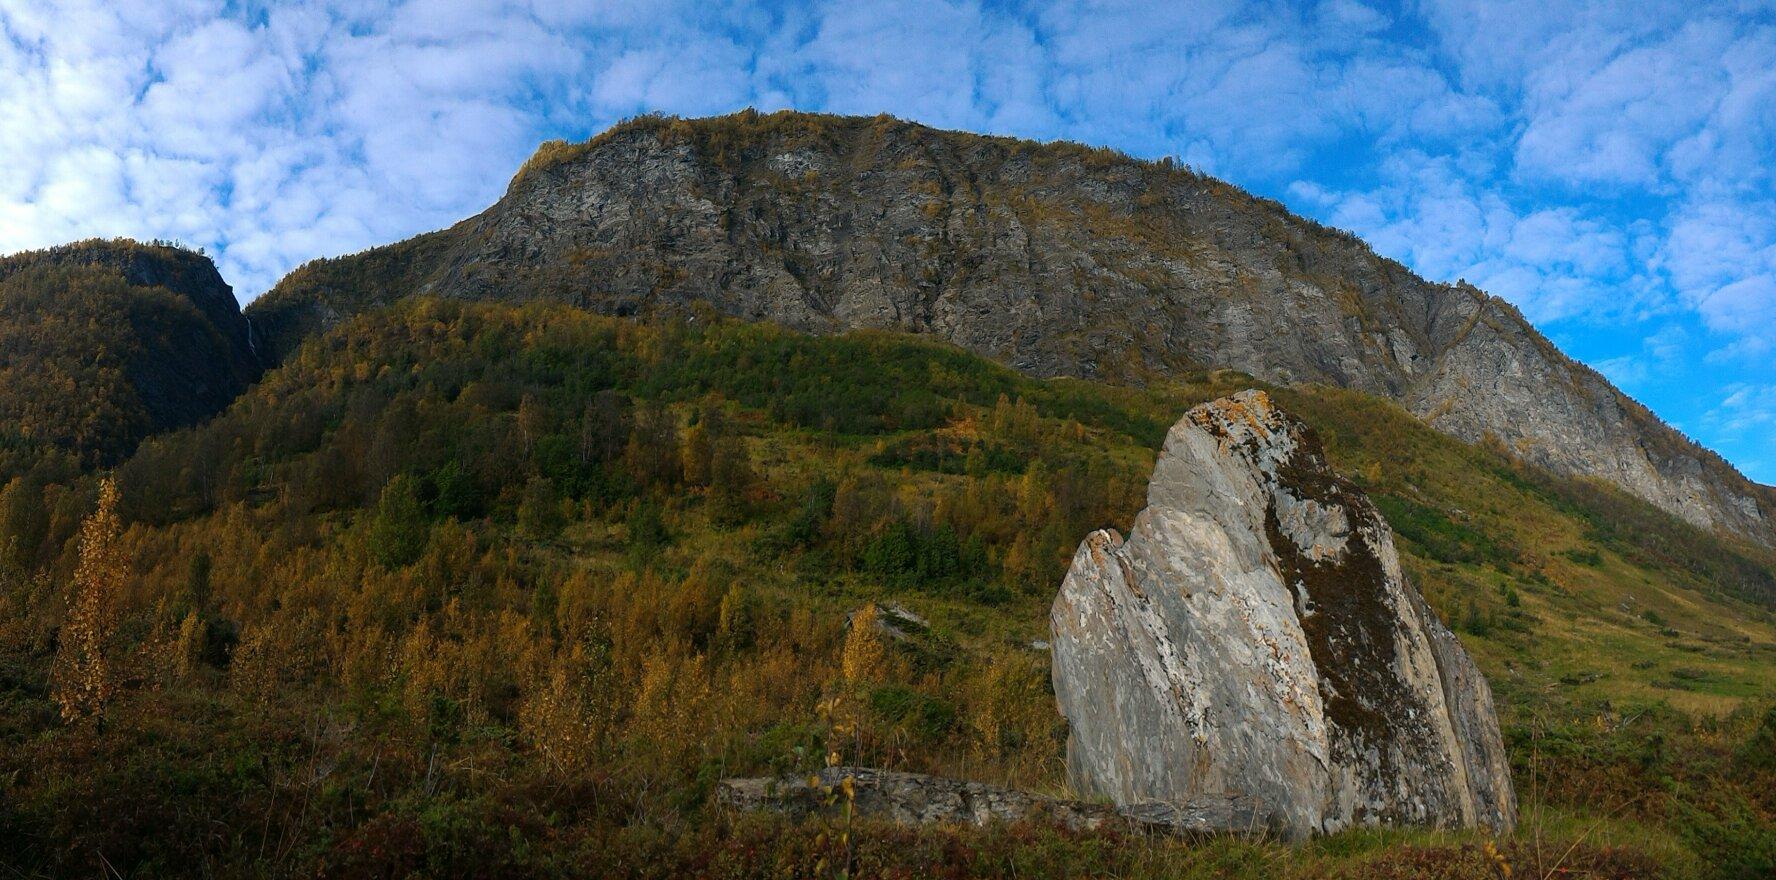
[1254, 638]
[1055, 259]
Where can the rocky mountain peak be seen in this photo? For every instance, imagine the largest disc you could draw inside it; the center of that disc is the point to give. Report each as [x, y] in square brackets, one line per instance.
[1055, 258]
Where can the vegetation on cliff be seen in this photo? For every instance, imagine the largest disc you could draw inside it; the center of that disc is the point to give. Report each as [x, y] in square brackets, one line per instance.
[103, 343]
[1055, 258]
[502, 590]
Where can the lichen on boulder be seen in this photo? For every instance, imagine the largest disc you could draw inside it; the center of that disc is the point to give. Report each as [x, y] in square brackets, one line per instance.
[1254, 637]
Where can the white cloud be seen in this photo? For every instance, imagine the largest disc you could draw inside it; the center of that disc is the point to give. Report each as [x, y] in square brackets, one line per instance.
[1661, 353]
[319, 128]
[925, 58]
[1746, 306]
[1744, 420]
[1721, 258]
[1602, 164]
[307, 131]
[1348, 18]
[1614, 123]
[1627, 371]
[1556, 263]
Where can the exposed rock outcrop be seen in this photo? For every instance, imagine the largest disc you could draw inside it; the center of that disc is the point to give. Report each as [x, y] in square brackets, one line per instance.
[1255, 637]
[893, 620]
[1054, 258]
[917, 799]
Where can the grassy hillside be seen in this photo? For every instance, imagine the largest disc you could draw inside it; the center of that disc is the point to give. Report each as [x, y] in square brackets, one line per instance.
[502, 591]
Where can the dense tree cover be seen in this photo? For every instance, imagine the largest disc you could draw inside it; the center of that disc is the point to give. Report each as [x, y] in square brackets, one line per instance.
[104, 343]
[502, 591]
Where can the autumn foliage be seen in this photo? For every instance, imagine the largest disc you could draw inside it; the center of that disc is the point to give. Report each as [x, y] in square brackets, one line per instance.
[84, 678]
[503, 591]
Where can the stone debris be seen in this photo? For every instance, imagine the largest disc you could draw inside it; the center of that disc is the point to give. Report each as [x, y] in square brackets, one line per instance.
[917, 799]
[893, 620]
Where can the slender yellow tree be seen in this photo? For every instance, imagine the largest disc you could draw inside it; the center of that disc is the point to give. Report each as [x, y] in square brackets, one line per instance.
[82, 678]
[863, 646]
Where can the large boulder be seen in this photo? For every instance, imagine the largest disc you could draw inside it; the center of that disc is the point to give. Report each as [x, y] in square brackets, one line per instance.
[1254, 637]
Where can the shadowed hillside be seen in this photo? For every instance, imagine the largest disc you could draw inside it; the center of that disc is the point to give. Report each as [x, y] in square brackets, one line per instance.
[103, 343]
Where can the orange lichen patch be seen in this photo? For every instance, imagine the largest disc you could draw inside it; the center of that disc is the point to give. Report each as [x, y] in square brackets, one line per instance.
[1229, 410]
[1102, 543]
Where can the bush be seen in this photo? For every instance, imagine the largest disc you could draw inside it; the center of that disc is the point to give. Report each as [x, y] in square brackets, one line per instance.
[399, 529]
[539, 510]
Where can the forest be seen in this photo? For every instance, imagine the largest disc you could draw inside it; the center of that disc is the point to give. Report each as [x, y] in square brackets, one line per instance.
[103, 343]
[493, 590]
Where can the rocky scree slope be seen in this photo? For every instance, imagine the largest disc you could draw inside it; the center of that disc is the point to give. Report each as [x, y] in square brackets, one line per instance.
[103, 343]
[1254, 638]
[1054, 258]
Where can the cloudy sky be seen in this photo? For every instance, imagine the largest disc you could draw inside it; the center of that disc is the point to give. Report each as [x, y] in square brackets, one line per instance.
[1608, 166]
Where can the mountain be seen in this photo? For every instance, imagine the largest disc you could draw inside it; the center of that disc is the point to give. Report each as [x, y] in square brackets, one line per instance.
[495, 590]
[473, 580]
[103, 343]
[1057, 259]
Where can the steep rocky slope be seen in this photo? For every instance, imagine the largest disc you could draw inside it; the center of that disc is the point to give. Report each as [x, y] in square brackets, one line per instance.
[105, 342]
[1054, 258]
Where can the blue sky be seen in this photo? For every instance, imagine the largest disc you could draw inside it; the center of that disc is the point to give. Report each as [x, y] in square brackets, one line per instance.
[1607, 166]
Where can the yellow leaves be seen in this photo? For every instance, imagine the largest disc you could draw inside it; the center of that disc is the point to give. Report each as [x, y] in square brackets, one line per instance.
[1016, 423]
[699, 454]
[253, 671]
[567, 716]
[1498, 860]
[734, 619]
[425, 667]
[671, 712]
[188, 646]
[1372, 474]
[864, 651]
[1010, 713]
[548, 155]
[83, 679]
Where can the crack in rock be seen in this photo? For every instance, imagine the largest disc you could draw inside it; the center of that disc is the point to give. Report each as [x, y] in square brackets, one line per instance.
[1240, 642]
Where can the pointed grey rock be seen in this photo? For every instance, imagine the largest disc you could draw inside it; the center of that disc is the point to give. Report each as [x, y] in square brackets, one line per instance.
[1254, 638]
